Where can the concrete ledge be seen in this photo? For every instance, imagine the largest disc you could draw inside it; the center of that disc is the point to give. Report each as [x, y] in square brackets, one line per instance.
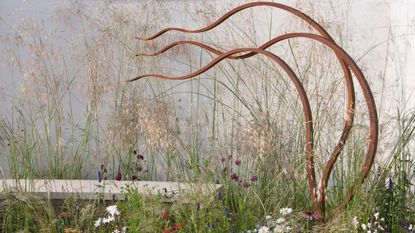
[107, 189]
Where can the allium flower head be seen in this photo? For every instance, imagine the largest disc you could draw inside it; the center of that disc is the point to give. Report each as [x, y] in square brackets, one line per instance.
[99, 176]
[389, 183]
[118, 177]
[220, 196]
[234, 176]
[238, 162]
[254, 178]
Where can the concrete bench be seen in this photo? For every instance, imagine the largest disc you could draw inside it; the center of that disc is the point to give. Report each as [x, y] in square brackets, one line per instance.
[106, 189]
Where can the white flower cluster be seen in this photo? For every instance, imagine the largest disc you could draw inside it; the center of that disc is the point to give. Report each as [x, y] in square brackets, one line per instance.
[370, 227]
[111, 212]
[279, 225]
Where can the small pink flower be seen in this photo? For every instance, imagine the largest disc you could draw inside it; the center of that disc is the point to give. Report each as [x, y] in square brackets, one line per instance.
[238, 162]
[254, 178]
[246, 184]
[222, 159]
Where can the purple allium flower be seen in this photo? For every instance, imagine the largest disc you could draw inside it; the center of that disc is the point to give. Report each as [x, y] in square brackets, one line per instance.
[389, 184]
[222, 159]
[208, 226]
[254, 178]
[238, 162]
[99, 176]
[226, 212]
[220, 196]
[134, 177]
[118, 177]
[198, 206]
[234, 176]
[246, 184]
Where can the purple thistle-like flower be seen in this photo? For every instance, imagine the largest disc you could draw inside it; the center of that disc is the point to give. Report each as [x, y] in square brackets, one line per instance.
[246, 184]
[234, 176]
[222, 159]
[208, 226]
[238, 162]
[220, 196]
[254, 178]
[389, 185]
[226, 212]
[99, 176]
[118, 177]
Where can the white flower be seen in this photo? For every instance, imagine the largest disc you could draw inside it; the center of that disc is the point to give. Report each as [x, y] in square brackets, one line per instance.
[98, 222]
[268, 217]
[285, 211]
[376, 215]
[369, 231]
[355, 222]
[382, 219]
[116, 231]
[364, 226]
[112, 210]
[369, 225]
[263, 229]
[278, 229]
[287, 229]
[410, 227]
[124, 229]
[108, 220]
[270, 223]
[280, 220]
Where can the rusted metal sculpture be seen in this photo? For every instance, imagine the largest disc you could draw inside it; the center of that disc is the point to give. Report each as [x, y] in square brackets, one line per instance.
[348, 65]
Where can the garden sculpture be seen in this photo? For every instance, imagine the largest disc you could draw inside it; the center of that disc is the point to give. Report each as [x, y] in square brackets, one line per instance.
[348, 65]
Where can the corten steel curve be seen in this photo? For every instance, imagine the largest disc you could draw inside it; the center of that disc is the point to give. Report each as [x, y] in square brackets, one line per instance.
[317, 192]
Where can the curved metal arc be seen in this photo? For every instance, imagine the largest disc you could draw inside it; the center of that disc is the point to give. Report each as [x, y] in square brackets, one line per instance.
[351, 100]
[366, 92]
[291, 10]
[174, 44]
